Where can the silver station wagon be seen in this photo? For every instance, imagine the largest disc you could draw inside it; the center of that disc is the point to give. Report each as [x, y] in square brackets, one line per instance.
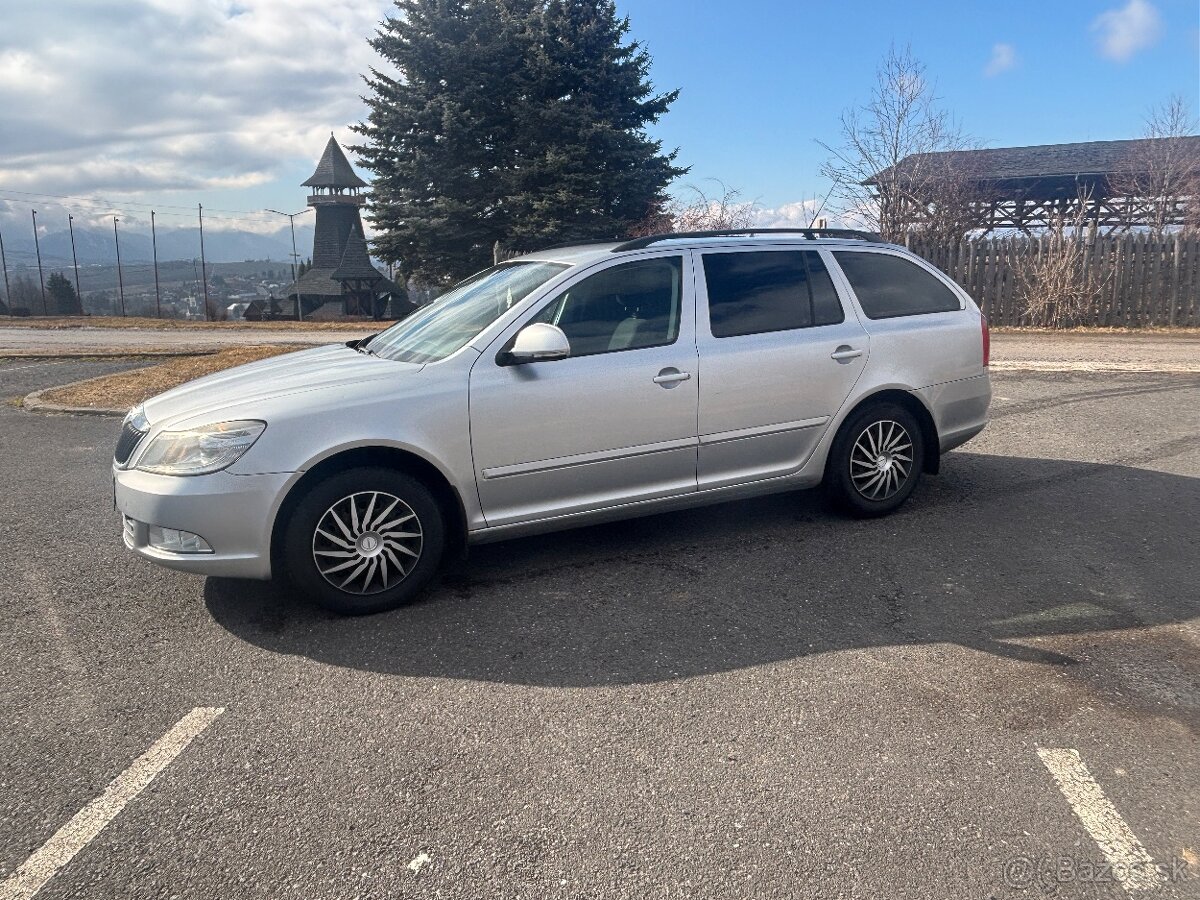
[576, 385]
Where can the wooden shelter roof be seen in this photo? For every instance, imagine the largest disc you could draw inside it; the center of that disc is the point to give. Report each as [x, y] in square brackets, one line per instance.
[1050, 166]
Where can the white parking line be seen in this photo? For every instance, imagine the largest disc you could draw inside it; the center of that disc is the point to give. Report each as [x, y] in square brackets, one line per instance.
[45, 863]
[1130, 862]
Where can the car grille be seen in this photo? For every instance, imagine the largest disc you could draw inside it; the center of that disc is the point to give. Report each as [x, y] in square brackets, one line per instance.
[126, 443]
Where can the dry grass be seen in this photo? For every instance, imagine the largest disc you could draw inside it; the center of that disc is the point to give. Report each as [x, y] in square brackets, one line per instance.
[57, 322]
[126, 389]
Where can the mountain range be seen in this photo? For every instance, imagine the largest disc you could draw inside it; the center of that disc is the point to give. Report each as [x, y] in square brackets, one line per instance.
[96, 246]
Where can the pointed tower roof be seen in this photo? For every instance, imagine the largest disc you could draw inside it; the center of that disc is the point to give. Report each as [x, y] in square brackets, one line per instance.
[334, 170]
[356, 262]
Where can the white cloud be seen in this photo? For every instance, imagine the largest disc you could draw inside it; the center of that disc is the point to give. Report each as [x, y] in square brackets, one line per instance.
[1123, 32]
[801, 214]
[1003, 58]
[125, 97]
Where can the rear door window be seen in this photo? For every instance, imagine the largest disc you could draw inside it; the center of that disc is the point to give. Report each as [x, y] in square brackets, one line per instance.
[753, 292]
[888, 286]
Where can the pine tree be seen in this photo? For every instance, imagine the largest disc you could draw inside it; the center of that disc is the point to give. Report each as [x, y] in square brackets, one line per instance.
[519, 121]
[592, 172]
[61, 296]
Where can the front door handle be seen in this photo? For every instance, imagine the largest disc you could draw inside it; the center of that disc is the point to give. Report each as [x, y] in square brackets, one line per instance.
[845, 352]
[669, 377]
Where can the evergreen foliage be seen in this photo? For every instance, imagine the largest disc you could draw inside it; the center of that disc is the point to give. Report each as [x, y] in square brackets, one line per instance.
[518, 121]
[61, 296]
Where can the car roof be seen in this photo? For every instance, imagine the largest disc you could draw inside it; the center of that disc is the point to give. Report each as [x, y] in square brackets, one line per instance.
[586, 253]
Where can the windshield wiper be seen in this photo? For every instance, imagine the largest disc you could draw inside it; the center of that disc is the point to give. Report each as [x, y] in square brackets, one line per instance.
[361, 344]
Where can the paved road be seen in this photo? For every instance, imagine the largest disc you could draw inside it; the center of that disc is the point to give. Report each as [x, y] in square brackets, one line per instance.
[760, 700]
[1078, 352]
[1024, 351]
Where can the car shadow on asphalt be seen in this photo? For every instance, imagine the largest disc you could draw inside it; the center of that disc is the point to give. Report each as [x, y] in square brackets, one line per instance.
[994, 554]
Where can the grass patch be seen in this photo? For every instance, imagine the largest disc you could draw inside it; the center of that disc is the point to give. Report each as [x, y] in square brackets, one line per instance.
[57, 322]
[126, 389]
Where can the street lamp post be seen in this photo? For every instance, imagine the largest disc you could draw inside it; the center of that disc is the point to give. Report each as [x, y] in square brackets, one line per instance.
[291, 217]
[120, 277]
[75, 260]
[42, 278]
[4, 265]
[203, 264]
[154, 245]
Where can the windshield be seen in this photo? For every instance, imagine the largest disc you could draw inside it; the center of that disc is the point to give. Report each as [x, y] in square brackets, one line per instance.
[452, 320]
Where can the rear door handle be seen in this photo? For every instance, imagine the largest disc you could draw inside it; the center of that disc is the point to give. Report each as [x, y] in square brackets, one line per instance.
[845, 352]
[671, 376]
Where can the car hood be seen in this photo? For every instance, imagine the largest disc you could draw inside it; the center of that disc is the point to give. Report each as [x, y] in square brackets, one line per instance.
[321, 368]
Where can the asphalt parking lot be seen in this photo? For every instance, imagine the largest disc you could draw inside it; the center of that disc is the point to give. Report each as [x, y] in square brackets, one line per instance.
[756, 700]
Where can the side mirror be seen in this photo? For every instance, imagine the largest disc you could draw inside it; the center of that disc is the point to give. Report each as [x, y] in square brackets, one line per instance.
[538, 342]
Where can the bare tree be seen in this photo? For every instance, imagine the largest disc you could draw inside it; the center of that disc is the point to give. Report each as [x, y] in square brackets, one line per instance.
[700, 211]
[25, 295]
[707, 213]
[1159, 179]
[1059, 283]
[896, 168]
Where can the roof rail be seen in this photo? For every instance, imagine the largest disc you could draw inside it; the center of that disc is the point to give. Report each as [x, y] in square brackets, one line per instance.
[811, 233]
[583, 242]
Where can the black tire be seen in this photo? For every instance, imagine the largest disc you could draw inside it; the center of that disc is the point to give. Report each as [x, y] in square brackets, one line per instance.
[378, 586]
[855, 488]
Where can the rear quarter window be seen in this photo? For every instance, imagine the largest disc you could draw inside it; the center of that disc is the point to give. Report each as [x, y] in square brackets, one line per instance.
[890, 286]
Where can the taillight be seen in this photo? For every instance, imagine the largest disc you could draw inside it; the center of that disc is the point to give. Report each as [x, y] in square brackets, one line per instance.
[987, 340]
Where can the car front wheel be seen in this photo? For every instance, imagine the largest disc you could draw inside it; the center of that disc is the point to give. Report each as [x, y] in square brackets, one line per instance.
[875, 461]
[365, 540]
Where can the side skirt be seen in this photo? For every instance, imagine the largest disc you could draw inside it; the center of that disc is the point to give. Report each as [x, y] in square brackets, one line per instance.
[689, 500]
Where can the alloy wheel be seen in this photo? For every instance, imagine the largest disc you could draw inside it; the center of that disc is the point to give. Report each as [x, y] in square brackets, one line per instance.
[367, 542]
[881, 460]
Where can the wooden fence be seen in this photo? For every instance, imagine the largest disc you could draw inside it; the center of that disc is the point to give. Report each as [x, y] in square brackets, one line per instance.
[1137, 280]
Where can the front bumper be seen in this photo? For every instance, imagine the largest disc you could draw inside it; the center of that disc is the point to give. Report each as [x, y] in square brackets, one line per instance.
[234, 513]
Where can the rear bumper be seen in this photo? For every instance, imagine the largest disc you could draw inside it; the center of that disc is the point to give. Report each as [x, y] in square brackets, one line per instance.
[959, 408]
[233, 513]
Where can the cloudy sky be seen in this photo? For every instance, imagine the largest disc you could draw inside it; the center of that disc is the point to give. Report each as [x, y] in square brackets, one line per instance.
[124, 104]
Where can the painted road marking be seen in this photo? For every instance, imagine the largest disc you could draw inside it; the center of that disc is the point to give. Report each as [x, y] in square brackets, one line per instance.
[32, 875]
[4, 370]
[1130, 862]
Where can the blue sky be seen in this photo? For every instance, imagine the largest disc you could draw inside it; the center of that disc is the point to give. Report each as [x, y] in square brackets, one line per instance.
[174, 102]
[760, 86]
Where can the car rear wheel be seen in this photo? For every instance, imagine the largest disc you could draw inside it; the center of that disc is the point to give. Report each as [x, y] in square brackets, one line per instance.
[365, 540]
[875, 461]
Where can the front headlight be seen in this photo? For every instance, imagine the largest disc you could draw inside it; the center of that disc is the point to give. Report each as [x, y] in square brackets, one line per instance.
[198, 451]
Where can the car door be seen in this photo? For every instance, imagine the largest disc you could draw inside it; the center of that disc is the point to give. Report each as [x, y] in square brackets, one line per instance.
[614, 422]
[780, 351]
